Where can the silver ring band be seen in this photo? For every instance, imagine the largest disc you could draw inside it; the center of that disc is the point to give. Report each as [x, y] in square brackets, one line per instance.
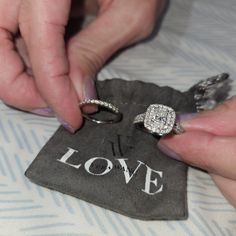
[106, 105]
[158, 120]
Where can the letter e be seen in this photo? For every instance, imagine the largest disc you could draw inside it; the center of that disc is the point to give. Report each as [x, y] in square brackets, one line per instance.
[149, 181]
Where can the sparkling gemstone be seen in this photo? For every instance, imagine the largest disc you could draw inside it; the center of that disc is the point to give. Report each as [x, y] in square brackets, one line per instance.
[159, 119]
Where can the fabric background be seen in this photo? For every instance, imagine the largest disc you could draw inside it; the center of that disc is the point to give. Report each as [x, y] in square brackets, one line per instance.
[197, 40]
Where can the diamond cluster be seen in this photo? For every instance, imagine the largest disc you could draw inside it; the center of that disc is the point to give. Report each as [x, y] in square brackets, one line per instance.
[159, 119]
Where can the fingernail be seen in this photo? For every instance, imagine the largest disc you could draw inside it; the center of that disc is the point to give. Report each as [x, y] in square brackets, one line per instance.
[168, 151]
[185, 117]
[66, 125]
[44, 112]
[89, 91]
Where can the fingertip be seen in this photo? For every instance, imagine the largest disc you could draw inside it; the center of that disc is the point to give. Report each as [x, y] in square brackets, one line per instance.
[66, 125]
[71, 116]
[71, 126]
[189, 147]
[67, 110]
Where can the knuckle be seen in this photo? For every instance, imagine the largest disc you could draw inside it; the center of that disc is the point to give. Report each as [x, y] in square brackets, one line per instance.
[93, 61]
[90, 60]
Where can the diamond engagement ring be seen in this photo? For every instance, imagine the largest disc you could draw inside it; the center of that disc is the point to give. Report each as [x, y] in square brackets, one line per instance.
[105, 105]
[159, 120]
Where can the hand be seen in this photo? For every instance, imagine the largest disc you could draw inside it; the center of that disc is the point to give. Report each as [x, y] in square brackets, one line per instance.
[47, 75]
[209, 143]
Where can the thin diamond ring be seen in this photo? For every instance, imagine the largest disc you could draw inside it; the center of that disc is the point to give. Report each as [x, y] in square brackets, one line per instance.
[105, 105]
[159, 120]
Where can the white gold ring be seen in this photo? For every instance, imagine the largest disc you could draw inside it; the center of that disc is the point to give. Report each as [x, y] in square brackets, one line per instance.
[105, 105]
[158, 120]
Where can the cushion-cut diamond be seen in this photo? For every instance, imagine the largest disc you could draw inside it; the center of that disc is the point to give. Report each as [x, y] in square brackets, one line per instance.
[159, 119]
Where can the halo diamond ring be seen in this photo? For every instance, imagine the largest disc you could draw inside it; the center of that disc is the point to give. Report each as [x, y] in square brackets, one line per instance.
[159, 120]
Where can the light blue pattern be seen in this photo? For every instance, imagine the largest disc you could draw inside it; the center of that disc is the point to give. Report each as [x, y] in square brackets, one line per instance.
[197, 40]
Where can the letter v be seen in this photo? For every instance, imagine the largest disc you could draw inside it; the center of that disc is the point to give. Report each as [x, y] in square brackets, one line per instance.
[127, 174]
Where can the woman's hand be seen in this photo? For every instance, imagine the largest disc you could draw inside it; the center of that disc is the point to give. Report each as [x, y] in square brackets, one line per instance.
[46, 75]
[209, 143]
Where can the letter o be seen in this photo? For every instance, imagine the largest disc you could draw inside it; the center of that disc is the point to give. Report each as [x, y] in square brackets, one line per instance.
[90, 162]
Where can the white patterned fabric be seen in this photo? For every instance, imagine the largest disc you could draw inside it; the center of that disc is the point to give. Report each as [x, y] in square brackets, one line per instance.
[197, 40]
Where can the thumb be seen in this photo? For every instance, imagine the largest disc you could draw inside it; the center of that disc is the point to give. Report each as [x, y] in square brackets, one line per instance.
[216, 154]
[94, 45]
[209, 140]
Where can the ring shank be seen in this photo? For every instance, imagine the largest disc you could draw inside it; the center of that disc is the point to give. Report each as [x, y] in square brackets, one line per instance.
[104, 121]
[105, 105]
[178, 129]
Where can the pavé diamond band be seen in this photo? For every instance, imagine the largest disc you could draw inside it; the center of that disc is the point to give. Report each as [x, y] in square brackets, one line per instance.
[105, 105]
[159, 120]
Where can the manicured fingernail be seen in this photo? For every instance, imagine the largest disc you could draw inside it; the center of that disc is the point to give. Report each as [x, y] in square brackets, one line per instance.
[66, 125]
[185, 117]
[89, 91]
[168, 151]
[44, 112]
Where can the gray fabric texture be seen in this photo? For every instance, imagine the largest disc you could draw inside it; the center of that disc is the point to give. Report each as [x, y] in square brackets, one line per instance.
[124, 141]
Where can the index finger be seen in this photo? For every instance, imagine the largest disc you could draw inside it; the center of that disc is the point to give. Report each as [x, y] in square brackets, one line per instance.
[42, 24]
[218, 121]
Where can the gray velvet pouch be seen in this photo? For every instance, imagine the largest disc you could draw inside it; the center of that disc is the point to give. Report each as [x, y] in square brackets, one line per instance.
[117, 166]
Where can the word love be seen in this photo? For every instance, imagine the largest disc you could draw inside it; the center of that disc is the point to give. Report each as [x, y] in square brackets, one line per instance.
[149, 182]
